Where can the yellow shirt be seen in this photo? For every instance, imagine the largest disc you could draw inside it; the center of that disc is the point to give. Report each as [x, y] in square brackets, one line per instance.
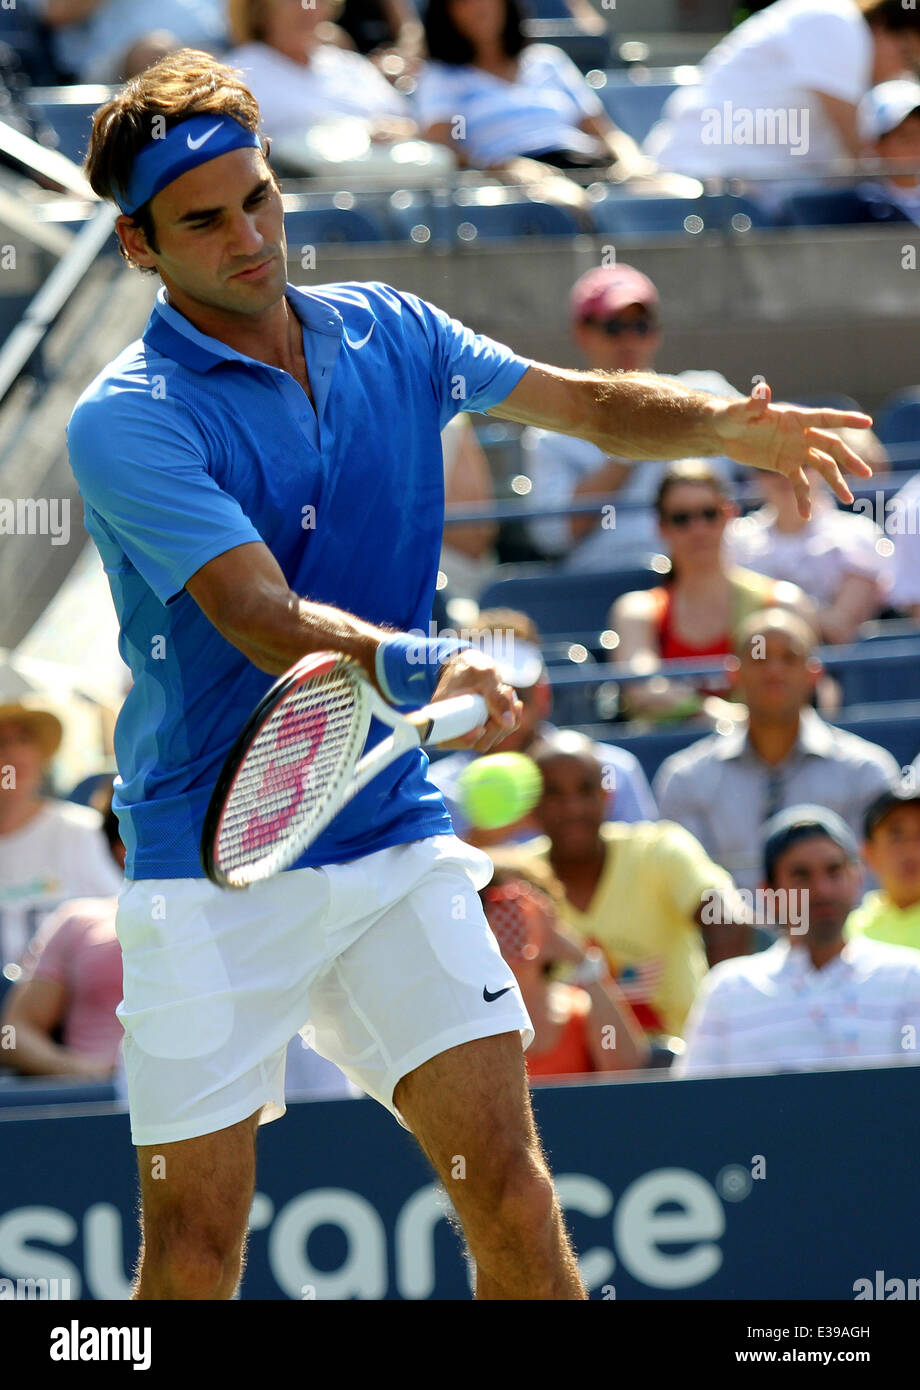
[882, 920]
[642, 916]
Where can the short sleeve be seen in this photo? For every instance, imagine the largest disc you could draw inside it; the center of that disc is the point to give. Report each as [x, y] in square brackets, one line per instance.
[437, 95]
[141, 469]
[469, 371]
[830, 53]
[571, 81]
[686, 870]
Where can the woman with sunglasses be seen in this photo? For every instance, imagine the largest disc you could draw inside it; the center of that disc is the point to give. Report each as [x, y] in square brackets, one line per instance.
[697, 611]
[579, 1027]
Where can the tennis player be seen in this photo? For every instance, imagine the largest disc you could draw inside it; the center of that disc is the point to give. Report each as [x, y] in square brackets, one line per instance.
[262, 476]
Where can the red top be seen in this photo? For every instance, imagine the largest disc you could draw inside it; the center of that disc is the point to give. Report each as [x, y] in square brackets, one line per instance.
[571, 1053]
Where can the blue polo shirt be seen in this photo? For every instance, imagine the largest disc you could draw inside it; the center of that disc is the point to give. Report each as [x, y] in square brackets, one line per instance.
[184, 448]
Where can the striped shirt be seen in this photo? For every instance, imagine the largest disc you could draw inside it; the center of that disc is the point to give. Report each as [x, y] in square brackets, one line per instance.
[493, 120]
[775, 1011]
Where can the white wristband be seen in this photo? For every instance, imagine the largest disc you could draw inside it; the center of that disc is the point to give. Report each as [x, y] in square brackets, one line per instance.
[591, 969]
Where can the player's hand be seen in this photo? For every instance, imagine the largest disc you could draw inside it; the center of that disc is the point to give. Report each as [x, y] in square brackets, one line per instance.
[785, 438]
[471, 672]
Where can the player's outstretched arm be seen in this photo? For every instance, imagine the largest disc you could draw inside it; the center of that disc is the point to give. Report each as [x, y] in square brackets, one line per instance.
[644, 416]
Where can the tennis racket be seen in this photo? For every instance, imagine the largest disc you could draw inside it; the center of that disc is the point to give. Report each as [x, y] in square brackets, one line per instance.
[297, 762]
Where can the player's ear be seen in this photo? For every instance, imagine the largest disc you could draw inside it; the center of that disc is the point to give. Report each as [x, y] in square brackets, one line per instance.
[134, 242]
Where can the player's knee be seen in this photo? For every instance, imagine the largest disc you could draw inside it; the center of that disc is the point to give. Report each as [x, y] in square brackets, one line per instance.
[193, 1263]
[524, 1199]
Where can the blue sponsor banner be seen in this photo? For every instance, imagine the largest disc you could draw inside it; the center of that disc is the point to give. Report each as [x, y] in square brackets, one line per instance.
[767, 1187]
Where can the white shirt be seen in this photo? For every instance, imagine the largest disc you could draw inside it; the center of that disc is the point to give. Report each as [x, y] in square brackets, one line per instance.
[293, 96]
[557, 463]
[902, 522]
[774, 1011]
[818, 557]
[540, 110]
[61, 853]
[768, 70]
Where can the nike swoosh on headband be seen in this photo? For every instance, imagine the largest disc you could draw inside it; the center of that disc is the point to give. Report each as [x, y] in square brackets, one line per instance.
[197, 144]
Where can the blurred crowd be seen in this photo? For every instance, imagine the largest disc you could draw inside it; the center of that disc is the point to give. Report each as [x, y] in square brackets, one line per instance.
[758, 904]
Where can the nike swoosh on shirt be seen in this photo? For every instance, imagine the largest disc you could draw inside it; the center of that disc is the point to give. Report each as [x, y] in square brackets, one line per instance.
[361, 341]
[197, 144]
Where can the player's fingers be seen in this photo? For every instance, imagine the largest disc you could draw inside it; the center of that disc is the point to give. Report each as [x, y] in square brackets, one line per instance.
[840, 451]
[837, 419]
[800, 487]
[827, 467]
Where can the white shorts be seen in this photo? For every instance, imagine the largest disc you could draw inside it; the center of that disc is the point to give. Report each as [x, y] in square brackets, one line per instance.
[380, 964]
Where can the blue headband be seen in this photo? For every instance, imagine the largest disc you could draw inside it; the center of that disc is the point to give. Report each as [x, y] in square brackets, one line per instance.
[183, 147]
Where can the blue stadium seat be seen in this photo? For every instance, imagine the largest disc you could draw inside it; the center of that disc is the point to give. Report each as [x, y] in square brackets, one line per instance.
[70, 118]
[634, 106]
[622, 215]
[587, 51]
[836, 207]
[567, 603]
[323, 226]
[898, 419]
[521, 218]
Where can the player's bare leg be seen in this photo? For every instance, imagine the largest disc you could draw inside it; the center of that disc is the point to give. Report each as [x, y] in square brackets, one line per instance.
[469, 1108]
[196, 1196]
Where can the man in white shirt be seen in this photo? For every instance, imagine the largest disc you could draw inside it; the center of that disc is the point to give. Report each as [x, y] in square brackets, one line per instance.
[49, 850]
[778, 96]
[813, 998]
[616, 326]
[889, 123]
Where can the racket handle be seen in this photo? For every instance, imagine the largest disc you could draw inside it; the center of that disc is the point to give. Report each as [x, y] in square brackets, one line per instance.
[448, 719]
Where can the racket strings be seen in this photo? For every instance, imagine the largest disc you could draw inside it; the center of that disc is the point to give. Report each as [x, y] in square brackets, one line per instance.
[291, 772]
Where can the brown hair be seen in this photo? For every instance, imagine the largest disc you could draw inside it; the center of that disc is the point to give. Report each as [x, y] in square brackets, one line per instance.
[689, 471]
[184, 84]
[889, 14]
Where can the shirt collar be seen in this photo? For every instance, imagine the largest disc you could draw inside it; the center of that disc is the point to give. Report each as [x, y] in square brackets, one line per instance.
[814, 736]
[171, 333]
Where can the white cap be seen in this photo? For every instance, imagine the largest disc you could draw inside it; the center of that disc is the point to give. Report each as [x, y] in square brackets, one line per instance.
[886, 106]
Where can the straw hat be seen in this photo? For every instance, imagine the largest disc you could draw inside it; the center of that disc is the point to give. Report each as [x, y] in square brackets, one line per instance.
[33, 711]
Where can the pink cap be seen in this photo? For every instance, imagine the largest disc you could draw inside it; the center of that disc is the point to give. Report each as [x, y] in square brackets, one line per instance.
[604, 291]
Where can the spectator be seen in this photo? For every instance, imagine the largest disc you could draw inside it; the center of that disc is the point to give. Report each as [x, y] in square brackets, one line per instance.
[813, 997]
[778, 96]
[493, 97]
[582, 1026]
[298, 80]
[902, 522]
[112, 40]
[616, 327]
[49, 850]
[889, 123]
[71, 983]
[512, 639]
[640, 892]
[892, 852]
[725, 786]
[468, 557]
[835, 556]
[698, 611]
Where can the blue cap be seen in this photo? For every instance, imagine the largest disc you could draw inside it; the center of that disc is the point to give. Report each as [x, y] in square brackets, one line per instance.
[183, 147]
[800, 823]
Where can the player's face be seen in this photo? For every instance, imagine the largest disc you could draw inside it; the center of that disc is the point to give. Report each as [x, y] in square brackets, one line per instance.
[571, 809]
[20, 750]
[627, 341]
[893, 852]
[775, 677]
[821, 870]
[220, 232]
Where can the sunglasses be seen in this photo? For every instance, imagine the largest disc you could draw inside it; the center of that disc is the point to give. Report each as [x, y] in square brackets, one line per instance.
[614, 327]
[681, 520]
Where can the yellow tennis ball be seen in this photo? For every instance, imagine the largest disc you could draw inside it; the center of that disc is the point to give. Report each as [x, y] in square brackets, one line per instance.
[499, 789]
